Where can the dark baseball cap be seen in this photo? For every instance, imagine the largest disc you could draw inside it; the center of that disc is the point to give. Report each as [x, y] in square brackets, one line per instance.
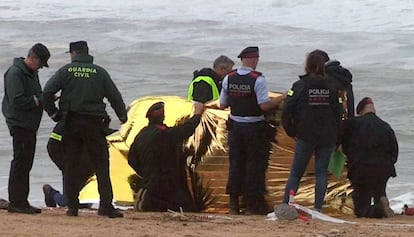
[42, 53]
[249, 52]
[78, 46]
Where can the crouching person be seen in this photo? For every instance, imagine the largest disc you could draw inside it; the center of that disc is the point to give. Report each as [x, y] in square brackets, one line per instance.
[372, 149]
[155, 156]
[55, 149]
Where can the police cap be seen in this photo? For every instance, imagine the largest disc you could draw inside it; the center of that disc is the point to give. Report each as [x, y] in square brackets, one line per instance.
[361, 105]
[249, 52]
[78, 46]
[156, 110]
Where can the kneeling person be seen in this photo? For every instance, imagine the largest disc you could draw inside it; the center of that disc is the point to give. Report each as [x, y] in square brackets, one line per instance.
[154, 155]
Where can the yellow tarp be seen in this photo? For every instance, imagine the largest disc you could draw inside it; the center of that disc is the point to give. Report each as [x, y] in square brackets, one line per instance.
[214, 165]
[176, 107]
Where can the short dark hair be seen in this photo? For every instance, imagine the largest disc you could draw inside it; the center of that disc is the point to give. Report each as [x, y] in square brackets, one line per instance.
[41, 52]
[222, 61]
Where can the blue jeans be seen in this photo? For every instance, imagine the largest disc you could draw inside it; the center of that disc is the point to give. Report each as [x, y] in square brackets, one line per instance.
[60, 198]
[303, 153]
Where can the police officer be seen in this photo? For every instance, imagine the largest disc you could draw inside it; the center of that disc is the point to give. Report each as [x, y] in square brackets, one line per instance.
[155, 156]
[244, 90]
[312, 114]
[371, 148]
[83, 86]
[206, 84]
[22, 109]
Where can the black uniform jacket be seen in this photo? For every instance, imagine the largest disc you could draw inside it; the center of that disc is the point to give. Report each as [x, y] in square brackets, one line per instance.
[370, 141]
[155, 151]
[312, 111]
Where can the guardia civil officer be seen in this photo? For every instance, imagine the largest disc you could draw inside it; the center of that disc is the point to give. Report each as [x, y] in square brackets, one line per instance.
[23, 111]
[312, 114]
[244, 90]
[83, 86]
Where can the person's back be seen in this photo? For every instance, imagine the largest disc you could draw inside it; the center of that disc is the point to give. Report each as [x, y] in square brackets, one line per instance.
[312, 114]
[315, 109]
[83, 87]
[371, 148]
[245, 91]
[368, 140]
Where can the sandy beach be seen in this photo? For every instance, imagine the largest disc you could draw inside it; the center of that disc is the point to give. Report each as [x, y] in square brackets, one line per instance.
[54, 222]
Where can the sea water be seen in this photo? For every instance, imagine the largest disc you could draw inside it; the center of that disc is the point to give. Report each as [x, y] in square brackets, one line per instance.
[152, 48]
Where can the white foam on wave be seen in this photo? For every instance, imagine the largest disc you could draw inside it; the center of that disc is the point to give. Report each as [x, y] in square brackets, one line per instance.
[398, 202]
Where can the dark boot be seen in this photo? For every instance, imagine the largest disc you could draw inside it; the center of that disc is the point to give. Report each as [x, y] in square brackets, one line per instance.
[256, 205]
[109, 211]
[234, 205]
[376, 211]
[72, 212]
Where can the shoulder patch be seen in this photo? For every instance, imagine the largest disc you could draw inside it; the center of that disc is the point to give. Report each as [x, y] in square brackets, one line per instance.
[290, 93]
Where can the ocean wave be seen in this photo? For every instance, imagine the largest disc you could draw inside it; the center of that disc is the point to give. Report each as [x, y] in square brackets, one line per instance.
[336, 16]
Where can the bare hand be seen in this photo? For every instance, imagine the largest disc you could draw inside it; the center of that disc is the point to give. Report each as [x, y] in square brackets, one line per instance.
[198, 108]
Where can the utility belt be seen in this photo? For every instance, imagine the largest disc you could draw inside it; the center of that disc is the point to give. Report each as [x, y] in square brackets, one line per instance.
[102, 120]
[230, 123]
[269, 126]
[76, 115]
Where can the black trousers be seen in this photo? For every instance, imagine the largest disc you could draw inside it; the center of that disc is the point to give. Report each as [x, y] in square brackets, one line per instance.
[248, 157]
[86, 131]
[369, 184]
[24, 145]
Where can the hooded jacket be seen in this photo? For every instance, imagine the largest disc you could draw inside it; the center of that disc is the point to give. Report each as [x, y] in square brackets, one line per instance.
[341, 79]
[205, 86]
[21, 87]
